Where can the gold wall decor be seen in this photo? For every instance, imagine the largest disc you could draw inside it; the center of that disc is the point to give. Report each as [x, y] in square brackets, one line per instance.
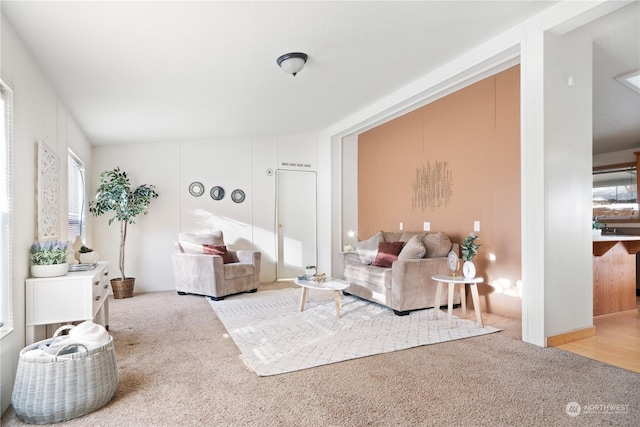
[433, 186]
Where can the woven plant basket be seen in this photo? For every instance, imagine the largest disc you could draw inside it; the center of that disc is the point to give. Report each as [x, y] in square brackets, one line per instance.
[122, 288]
[49, 391]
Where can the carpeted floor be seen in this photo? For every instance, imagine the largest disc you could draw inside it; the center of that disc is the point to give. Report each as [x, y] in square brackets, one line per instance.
[275, 337]
[179, 367]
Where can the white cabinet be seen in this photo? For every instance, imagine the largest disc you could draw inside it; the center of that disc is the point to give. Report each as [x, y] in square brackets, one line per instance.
[76, 296]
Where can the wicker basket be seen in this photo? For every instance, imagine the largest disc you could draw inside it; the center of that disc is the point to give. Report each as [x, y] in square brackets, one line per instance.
[69, 386]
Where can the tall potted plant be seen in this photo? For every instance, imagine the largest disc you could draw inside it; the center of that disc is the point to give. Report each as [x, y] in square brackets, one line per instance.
[116, 195]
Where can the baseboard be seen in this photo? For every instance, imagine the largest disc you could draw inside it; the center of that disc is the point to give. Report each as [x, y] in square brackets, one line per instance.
[557, 340]
[617, 313]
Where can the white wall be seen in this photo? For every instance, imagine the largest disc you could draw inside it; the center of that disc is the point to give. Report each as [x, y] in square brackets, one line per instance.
[568, 171]
[38, 114]
[229, 163]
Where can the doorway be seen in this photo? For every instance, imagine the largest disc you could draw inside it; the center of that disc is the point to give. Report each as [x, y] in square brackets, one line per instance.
[295, 222]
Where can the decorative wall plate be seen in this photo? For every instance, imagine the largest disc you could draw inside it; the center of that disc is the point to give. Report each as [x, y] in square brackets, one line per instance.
[196, 189]
[217, 193]
[237, 196]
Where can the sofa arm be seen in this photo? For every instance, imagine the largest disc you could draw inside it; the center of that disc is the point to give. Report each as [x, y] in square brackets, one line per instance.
[196, 273]
[350, 258]
[250, 257]
[411, 283]
[254, 258]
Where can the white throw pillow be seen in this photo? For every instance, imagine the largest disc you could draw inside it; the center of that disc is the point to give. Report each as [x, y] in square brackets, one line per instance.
[368, 249]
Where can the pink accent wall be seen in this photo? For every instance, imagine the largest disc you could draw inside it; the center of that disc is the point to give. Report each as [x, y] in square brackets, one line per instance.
[453, 162]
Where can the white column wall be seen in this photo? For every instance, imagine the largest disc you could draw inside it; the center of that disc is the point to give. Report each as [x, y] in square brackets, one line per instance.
[568, 298]
[532, 183]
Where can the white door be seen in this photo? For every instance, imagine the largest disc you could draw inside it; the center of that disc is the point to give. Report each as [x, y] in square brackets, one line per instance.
[295, 222]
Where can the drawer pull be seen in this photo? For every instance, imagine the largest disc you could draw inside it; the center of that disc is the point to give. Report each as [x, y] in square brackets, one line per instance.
[96, 283]
[98, 298]
[106, 286]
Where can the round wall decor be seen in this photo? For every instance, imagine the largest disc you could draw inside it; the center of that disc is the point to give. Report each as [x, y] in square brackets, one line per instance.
[196, 189]
[217, 193]
[237, 196]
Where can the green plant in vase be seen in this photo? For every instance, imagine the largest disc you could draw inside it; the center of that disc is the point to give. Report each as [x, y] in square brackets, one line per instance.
[48, 258]
[469, 251]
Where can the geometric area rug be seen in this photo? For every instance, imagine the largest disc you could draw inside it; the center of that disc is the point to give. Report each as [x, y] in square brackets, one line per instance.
[275, 338]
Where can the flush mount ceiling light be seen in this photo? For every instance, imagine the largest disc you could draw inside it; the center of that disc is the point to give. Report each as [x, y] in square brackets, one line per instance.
[631, 80]
[292, 62]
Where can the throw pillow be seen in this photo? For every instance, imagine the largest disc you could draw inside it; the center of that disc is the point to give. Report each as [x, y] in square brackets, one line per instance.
[414, 248]
[387, 253]
[437, 245]
[367, 249]
[218, 250]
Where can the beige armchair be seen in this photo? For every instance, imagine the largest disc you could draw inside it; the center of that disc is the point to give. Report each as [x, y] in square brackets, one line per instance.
[200, 273]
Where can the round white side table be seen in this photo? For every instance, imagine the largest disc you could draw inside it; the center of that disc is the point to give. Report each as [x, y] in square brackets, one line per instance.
[459, 280]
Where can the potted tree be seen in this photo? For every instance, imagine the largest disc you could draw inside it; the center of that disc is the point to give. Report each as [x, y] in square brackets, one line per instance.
[116, 195]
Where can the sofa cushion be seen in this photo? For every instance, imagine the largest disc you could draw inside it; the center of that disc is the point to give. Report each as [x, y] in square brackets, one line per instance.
[391, 236]
[437, 245]
[192, 243]
[414, 248]
[377, 278]
[218, 250]
[387, 253]
[407, 235]
[367, 249]
[237, 269]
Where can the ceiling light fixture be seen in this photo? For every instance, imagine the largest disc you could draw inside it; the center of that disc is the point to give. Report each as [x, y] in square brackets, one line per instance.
[631, 80]
[292, 62]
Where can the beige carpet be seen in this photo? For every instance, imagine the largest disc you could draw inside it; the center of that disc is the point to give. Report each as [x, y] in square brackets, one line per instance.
[178, 367]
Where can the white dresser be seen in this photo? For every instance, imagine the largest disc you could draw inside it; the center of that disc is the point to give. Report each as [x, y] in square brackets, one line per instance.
[76, 296]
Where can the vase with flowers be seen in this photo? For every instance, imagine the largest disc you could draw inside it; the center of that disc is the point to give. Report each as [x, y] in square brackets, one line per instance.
[469, 251]
[48, 258]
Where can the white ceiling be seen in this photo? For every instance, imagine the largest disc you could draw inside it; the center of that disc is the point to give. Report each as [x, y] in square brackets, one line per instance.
[148, 71]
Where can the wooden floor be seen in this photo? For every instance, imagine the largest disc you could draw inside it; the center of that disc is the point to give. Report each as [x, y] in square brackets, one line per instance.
[617, 341]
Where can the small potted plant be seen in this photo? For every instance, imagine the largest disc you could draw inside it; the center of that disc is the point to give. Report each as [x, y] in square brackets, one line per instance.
[469, 251]
[115, 195]
[48, 258]
[310, 270]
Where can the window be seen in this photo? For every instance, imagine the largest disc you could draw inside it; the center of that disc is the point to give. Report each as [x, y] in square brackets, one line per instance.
[75, 182]
[615, 193]
[6, 121]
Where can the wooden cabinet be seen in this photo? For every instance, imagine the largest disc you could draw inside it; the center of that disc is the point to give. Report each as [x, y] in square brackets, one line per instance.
[76, 296]
[614, 274]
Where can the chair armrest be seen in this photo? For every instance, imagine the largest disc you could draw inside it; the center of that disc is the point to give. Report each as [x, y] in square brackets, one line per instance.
[250, 257]
[197, 273]
[199, 261]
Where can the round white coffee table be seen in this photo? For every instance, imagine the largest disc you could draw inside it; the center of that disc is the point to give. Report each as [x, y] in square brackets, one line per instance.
[459, 280]
[335, 285]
